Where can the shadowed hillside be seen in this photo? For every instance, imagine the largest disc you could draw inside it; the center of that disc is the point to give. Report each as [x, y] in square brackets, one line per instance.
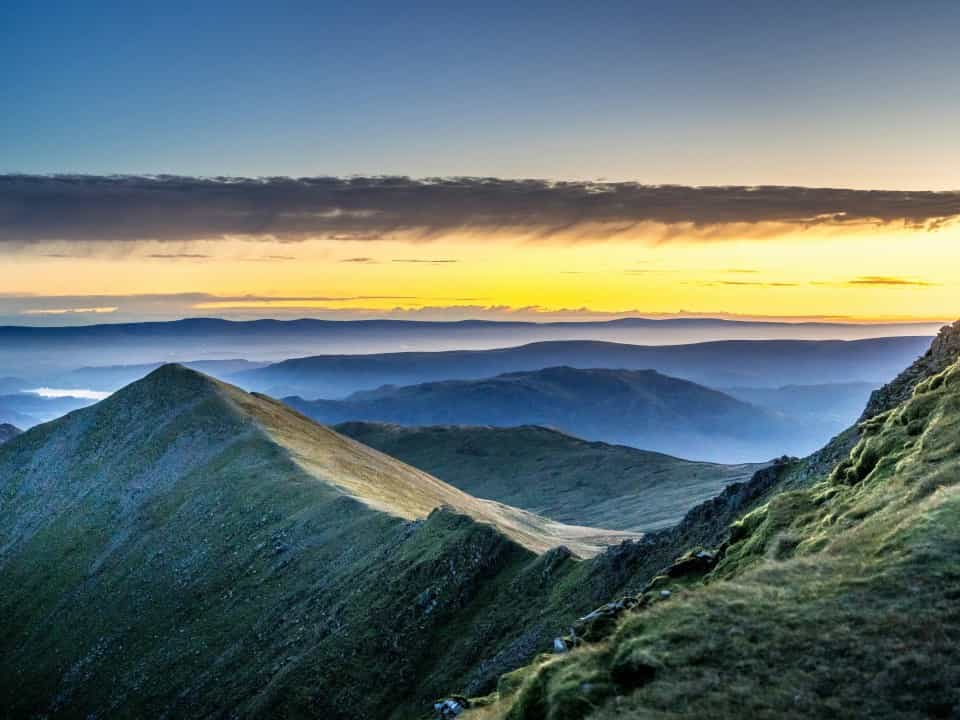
[640, 408]
[556, 475]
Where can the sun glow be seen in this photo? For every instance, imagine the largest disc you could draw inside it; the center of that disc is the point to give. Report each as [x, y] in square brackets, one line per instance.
[858, 273]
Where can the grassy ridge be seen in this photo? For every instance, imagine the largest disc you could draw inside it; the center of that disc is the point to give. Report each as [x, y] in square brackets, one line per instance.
[556, 475]
[838, 600]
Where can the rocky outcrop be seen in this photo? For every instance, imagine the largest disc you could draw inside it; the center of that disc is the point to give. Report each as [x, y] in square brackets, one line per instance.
[943, 352]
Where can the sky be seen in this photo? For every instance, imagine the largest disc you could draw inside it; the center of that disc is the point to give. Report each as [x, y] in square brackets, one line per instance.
[604, 103]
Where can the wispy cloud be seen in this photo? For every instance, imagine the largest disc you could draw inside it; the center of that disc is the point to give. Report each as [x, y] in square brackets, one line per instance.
[361, 260]
[877, 281]
[751, 283]
[191, 303]
[100, 310]
[178, 256]
[426, 261]
[270, 258]
[887, 280]
[119, 209]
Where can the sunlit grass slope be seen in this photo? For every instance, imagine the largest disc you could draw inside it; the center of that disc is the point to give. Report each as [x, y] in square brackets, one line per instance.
[554, 474]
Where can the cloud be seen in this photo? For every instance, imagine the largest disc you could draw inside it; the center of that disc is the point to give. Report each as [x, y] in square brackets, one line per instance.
[178, 256]
[428, 261]
[171, 305]
[361, 260]
[119, 209]
[71, 311]
[878, 281]
[269, 258]
[752, 283]
[887, 280]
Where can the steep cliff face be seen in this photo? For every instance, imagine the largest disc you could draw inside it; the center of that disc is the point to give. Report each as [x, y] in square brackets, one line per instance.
[943, 352]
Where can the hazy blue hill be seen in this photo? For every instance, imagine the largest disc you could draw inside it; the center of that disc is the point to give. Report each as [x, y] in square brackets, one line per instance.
[28, 409]
[57, 348]
[554, 474]
[185, 549]
[8, 432]
[826, 409]
[640, 408]
[758, 364]
[836, 401]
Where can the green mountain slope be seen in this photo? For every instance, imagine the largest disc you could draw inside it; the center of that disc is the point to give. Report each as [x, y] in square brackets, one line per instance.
[838, 599]
[556, 475]
[184, 549]
[641, 408]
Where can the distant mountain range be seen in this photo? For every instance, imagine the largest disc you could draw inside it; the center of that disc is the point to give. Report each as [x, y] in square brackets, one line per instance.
[642, 408]
[48, 350]
[753, 364]
[554, 474]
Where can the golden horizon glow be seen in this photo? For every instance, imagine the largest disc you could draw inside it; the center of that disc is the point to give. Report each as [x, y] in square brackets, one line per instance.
[858, 273]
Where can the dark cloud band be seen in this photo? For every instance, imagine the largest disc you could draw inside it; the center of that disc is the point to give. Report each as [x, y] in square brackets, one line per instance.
[130, 208]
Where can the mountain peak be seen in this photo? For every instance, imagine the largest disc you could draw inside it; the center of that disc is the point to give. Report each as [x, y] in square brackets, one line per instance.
[178, 415]
[177, 374]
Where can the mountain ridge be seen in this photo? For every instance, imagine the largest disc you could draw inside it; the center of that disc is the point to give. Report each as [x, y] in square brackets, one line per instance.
[190, 563]
[722, 363]
[555, 474]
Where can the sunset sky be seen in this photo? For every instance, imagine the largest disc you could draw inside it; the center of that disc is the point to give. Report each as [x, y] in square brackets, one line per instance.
[628, 122]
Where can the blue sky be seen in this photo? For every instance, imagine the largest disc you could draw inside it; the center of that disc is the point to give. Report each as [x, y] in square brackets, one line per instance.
[826, 94]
